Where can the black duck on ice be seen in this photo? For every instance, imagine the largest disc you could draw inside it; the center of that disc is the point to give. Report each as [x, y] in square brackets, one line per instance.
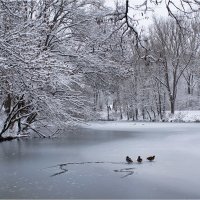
[128, 159]
[139, 159]
[151, 158]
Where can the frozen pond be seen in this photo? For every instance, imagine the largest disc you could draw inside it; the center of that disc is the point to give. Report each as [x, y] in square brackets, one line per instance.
[91, 163]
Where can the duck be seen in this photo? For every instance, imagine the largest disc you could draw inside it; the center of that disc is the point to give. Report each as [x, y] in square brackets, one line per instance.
[151, 158]
[139, 159]
[128, 159]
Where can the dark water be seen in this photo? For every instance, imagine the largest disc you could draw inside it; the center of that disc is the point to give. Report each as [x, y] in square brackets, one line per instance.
[91, 164]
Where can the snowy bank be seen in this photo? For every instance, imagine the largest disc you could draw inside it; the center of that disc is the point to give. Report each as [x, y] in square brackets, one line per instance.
[137, 126]
[183, 116]
[179, 116]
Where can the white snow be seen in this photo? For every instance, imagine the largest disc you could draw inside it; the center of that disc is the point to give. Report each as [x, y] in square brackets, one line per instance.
[179, 116]
[133, 126]
[185, 116]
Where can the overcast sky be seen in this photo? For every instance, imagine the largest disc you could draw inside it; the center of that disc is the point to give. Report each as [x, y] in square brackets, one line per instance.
[159, 10]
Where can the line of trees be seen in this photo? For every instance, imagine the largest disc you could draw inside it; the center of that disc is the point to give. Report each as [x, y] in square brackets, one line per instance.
[160, 75]
[61, 61]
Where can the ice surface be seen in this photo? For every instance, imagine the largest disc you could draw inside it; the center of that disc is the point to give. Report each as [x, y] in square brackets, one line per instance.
[174, 173]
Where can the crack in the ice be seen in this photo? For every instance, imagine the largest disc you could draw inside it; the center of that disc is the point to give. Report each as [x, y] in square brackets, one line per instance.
[63, 168]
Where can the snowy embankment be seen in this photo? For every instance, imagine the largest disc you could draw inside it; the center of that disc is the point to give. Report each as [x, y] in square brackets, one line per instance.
[134, 126]
[183, 116]
[179, 116]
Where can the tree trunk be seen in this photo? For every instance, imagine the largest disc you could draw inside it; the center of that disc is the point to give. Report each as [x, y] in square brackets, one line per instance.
[95, 100]
[189, 89]
[148, 115]
[108, 113]
[160, 106]
[133, 117]
[121, 115]
[154, 114]
[172, 106]
[128, 113]
[190, 81]
[7, 103]
[143, 114]
[19, 126]
[136, 114]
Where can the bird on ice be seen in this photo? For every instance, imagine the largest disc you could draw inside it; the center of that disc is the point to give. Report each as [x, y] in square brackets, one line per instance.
[128, 159]
[151, 158]
[139, 159]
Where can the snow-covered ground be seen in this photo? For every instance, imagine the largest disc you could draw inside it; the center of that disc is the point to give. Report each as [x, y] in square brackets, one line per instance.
[136, 126]
[184, 116]
[179, 116]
